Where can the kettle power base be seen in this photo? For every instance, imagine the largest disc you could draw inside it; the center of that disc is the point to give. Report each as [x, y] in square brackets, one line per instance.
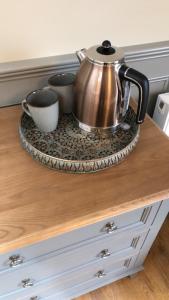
[73, 150]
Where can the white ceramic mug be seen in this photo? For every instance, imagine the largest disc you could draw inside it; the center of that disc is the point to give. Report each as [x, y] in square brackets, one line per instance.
[43, 106]
[63, 85]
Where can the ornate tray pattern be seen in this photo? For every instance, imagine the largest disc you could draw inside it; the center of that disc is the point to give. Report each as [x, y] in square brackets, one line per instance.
[71, 149]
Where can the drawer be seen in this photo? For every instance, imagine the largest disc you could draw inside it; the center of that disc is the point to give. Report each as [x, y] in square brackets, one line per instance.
[108, 247]
[137, 218]
[58, 287]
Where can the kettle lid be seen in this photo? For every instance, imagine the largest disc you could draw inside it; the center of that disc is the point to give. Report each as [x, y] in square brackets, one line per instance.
[105, 53]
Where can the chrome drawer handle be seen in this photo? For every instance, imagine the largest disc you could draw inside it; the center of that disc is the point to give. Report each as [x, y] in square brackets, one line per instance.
[104, 253]
[15, 260]
[110, 227]
[27, 283]
[100, 274]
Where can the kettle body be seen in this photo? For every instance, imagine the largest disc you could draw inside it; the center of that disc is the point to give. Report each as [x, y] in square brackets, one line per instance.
[102, 88]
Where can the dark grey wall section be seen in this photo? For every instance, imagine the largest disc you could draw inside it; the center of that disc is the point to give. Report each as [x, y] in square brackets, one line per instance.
[153, 61]
[20, 77]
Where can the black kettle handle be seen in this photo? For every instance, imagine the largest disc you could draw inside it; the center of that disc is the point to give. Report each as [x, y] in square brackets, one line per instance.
[143, 85]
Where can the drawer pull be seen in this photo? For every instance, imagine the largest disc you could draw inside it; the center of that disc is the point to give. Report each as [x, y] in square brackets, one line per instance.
[110, 227]
[100, 274]
[15, 260]
[104, 253]
[35, 298]
[27, 283]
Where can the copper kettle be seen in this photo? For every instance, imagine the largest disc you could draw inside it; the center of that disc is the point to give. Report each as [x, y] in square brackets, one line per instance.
[102, 88]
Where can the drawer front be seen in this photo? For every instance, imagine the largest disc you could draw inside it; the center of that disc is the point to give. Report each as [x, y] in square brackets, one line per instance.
[59, 286]
[109, 247]
[136, 218]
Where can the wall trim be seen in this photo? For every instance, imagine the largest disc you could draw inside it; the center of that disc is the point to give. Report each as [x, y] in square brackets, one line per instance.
[39, 66]
[147, 51]
[19, 77]
[36, 67]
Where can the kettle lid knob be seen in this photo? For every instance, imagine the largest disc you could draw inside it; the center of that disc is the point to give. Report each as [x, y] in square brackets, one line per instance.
[106, 48]
[106, 44]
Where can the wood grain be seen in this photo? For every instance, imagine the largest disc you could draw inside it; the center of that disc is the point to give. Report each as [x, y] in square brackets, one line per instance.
[37, 203]
[150, 284]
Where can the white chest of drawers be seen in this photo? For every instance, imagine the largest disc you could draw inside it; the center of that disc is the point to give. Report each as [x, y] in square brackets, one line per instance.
[82, 260]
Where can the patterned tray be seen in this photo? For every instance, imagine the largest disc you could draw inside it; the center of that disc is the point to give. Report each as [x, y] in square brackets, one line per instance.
[71, 149]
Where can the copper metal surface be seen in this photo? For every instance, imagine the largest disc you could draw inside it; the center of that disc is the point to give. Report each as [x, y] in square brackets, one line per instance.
[98, 95]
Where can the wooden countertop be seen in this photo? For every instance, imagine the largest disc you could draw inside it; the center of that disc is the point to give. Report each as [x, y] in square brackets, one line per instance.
[37, 203]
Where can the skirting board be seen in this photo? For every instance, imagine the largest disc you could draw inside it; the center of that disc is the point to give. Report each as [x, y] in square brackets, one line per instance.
[18, 78]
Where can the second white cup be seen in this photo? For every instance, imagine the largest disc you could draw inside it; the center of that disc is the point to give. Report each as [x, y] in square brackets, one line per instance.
[63, 85]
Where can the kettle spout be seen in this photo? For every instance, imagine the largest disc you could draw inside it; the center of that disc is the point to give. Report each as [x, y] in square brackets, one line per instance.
[81, 54]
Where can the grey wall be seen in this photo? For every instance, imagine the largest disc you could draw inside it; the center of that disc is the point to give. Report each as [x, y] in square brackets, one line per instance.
[153, 61]
[19, 78]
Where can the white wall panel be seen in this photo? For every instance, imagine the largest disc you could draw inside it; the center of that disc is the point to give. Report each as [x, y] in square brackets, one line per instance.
[41, 28]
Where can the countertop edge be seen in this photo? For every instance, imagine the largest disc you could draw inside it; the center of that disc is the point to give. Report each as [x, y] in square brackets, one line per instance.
[42, 235]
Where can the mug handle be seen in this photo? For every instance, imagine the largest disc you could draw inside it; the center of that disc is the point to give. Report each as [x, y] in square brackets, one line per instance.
[46, 88]
[25, 107]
